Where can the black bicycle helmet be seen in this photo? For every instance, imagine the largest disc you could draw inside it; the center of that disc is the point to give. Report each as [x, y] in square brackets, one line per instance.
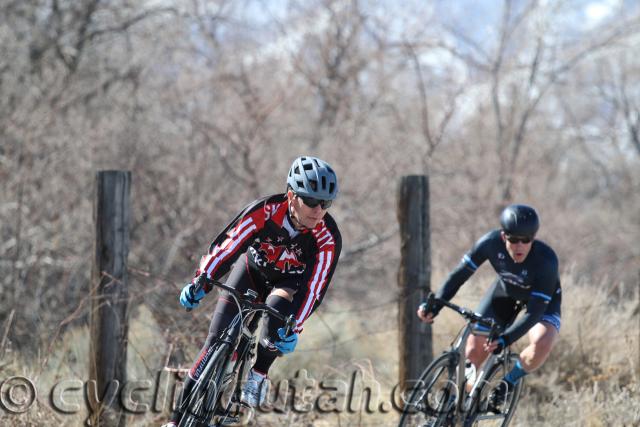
[312, 177]
[519, 220]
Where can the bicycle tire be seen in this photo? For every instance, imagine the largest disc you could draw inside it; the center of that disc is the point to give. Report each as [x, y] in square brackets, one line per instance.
[427, 403]
[479, 413]
[203, 399]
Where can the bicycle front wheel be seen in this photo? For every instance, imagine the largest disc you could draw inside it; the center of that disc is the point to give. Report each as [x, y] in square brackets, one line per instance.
[434, 395]
[200, 405]
[482, 415]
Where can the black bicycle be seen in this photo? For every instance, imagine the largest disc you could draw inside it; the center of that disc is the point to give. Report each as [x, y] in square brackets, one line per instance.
[442, 397]
[215, 398]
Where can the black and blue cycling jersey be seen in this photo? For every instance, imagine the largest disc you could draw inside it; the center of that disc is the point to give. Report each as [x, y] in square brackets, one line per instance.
[533, 283]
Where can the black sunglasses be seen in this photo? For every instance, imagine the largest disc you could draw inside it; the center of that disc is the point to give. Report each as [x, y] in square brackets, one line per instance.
[519, 239]
[312, 203]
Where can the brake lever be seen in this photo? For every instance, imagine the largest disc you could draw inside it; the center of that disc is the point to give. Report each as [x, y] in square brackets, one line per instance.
[290, 324]
[426, 306]
[494, 332]
[199, 285]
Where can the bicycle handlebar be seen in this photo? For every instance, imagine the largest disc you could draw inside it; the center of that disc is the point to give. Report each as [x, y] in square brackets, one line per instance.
[494, 328]
[247, 300]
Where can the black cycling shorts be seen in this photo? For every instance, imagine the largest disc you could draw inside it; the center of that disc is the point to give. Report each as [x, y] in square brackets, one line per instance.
[497, 305]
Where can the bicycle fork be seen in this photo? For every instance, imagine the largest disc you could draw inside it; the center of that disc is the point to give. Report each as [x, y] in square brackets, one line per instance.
[465, 401]
[479, 382]
[461, 346]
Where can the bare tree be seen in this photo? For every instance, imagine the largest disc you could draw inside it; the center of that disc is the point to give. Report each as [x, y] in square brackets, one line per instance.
[522, 76]
[618, 88]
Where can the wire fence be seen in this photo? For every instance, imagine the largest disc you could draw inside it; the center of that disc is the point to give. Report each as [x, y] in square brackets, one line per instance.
[162, 283]
[388, 306]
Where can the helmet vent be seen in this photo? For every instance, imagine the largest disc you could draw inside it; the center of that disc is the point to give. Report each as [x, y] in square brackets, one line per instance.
[312, 177]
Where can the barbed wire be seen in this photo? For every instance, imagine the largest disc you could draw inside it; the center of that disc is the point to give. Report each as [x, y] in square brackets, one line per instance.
[394, 301]
[336, 344]
[440, 335]
[156, 276]
[389, 305]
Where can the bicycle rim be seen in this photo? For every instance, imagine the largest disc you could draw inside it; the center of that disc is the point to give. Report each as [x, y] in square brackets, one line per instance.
[203, 399]
[229, 401]
[480, 416]
[433, 396]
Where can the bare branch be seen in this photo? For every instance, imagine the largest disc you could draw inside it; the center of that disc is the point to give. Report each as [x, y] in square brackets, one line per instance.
[371, 242]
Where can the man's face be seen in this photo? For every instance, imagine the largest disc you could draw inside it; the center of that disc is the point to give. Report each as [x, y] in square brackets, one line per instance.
[306, 216]
[518, 247]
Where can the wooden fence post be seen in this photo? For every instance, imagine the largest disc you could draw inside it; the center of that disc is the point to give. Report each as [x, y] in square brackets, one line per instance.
[414, 276]
[108, 342]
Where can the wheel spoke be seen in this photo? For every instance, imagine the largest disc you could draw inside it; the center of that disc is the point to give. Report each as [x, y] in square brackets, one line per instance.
[434, 396]
[482, 415]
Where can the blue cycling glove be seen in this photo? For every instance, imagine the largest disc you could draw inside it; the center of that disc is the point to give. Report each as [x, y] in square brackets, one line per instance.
[286, 345]
[188, 299]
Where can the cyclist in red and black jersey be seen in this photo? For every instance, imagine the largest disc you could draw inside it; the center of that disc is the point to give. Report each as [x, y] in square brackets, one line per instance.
[286, 248]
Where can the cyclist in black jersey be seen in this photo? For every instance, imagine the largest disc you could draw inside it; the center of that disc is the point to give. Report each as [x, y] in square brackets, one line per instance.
[527, 278]
[286, 248]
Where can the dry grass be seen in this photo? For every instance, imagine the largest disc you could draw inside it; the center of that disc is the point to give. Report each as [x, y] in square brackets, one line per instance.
[591, 379]
[593, 375]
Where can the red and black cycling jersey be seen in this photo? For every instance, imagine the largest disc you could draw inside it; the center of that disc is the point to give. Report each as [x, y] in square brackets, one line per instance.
[278, 253]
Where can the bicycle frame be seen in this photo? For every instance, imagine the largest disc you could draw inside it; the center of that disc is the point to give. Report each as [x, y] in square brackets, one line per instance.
[459, 347]
[465, 400]
[238, 337]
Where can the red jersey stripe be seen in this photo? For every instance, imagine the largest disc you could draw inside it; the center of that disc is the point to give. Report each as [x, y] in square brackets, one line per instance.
[229, 251]
[322, 282]
[315, 285]
[219, 253]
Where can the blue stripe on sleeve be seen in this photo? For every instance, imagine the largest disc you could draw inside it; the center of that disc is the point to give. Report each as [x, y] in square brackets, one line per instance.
[541, 295]
[481, 327]
[553, 319]
[469, 262]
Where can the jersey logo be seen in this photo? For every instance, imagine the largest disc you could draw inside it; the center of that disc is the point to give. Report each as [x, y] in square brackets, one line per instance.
[267, 212]
[281, 258]
[323, 236]
[513, 279]
[270, 211]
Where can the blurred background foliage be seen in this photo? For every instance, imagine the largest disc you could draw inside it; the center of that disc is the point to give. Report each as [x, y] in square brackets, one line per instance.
[208, 102]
